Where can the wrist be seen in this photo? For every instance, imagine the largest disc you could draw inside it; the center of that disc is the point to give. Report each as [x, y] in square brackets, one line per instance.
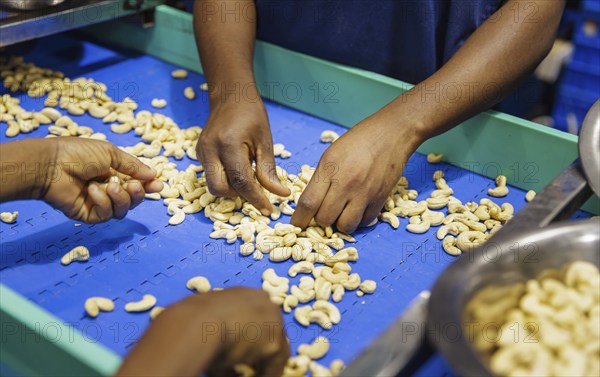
[233, 93]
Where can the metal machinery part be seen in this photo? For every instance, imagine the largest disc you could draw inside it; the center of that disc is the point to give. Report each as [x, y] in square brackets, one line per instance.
[54, 16]
[589, 147]
[527, 245]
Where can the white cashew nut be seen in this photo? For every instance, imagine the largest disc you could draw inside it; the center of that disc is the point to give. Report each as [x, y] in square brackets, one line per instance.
[146, 303]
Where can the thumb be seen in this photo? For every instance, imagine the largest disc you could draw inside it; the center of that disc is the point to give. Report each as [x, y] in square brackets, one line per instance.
[267, 174]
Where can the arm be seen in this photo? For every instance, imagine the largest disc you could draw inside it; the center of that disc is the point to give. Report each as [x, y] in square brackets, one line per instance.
[356, 174]
[237, 131]
[68, 173]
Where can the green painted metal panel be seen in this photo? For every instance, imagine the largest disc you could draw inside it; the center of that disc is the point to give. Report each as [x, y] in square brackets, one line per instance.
[36, 343]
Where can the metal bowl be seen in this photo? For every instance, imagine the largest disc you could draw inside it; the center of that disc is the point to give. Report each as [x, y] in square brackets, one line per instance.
[507, 260]
[29, 4]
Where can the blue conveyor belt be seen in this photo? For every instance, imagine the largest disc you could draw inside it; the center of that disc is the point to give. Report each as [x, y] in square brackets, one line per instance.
[143, 254]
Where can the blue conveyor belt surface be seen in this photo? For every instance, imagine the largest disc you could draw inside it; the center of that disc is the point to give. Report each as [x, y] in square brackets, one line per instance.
[143, 254]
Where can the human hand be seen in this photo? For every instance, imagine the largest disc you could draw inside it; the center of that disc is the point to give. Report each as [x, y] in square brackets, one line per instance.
[356, 174]
[77, 169]
[211, 333]
[235, 135]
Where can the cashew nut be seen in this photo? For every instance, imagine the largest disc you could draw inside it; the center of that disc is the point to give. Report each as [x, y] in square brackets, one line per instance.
[94, 305]
[199, 283]
[316, 350]
[329, 136]
[146, 303]
[530, 195]
[79, 253]
[433, 158]
[390, 218]
[179, 74]
[159, 103]
[9, 217]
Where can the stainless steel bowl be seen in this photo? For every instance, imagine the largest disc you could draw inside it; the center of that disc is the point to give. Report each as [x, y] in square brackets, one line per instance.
[29, 4]
[506, 260]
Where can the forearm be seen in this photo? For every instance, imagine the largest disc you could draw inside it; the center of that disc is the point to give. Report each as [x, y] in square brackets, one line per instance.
[24, 168]
[225, 33]
[490, 64]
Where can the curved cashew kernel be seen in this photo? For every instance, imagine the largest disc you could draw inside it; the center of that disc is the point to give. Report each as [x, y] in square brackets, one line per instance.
[438, 174]
[13, 129]
[97, 111]
[289, 303]
[189, 93]
[316, 350]
[51, 113]
[474, 225]
[530, 195]
[58, 131]
[247, 248]
[501, 180]
[277, 298]
[286, 209]
[301, 315]
[198, 283]
[336, 367]
[42, 118]
[283, 229]
[368, 286]
[491, 223]
[498, 192]
[341, 256]
[155, 312]
[442, 193]
[482, 213]
[338, 292]
[434, 218]
[470, 239]
[204, 87]
[418, 228]
[452, 228]
[75, 109]
[341, 267]
[94, 305]
[158, 103]
[280, 254]
[316, 258]
[321, 318]
[328, 308]
[146, 303]
[334, 278]
[79, 253]
[153, 196]
[448, 245]
[306, 283]
[390, 218]
[329, 136]
[179, 74]
[121, 128]
[437, 203]
[472, 206]
[434, 158]
[177, 218]
[296, 366]
[322, 289]
[352, 283]
[303, 296]
[302, 267]
[271, 276]
[8, 217]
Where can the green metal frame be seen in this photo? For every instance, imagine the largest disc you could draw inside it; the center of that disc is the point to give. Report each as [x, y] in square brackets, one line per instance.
[530, 156]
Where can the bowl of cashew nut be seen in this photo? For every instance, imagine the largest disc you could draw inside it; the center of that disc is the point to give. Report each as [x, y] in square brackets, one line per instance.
[526, 304]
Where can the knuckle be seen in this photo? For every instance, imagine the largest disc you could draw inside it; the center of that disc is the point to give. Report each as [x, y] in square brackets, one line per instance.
[308, 203]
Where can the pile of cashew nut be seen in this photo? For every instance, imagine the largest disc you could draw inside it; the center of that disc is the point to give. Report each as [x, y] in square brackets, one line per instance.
[548, 326]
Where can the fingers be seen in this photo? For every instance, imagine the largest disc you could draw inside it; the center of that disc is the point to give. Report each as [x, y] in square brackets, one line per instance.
[331, 208]
[136, 192]
[241, 177]
[267, 174]
[101, 207]
[154, 185]
[216, 179]
[129, 165]
[370, 214]
[121, 201]
[309, 203]
[351, 217]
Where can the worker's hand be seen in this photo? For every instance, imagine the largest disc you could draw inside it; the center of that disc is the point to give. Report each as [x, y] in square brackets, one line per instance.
[235, 135]
[212, 333]
[75, 180]
[355, 175]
